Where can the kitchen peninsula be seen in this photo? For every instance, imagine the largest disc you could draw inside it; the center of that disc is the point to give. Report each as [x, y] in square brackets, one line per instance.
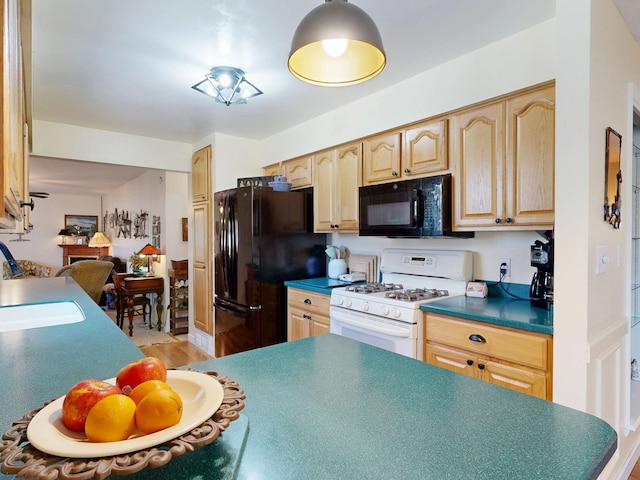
[322, 407]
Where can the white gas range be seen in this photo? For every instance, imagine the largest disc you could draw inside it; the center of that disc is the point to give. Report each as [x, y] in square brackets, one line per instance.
[387, 314]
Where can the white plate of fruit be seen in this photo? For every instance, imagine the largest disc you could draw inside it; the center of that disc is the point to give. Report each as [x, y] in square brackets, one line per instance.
[143, 406]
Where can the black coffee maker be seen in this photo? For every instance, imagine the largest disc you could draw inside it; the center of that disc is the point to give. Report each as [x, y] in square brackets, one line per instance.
[541, 291]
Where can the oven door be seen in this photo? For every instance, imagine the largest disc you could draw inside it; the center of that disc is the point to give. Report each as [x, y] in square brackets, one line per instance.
[397, 337]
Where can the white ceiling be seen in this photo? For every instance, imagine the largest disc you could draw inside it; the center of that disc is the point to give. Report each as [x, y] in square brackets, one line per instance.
[129, 66]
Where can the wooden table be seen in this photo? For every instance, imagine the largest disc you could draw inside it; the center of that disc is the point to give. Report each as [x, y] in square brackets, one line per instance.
[142, 286]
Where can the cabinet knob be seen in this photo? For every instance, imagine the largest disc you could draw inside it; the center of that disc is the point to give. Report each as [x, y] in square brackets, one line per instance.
[307, 301]
[406, 170]
[481, 366]
[394, 173]
[498, 220]
[474, 337]
[508, 220]
[469, 362]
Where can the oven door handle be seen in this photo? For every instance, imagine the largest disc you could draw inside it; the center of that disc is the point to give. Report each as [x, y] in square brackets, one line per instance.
[355, 320]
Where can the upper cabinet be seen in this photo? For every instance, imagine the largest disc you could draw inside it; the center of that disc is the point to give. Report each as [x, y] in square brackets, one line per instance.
[416, 151]
[299, 171]
[337, 174]
[503, 159]
[381, 158]
[15, 107]
[201, 175]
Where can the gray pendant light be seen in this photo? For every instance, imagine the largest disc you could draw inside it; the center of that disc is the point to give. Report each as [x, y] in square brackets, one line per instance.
[347, 26]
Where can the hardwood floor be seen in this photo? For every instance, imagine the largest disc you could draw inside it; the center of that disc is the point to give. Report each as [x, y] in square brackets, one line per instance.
[635, 473]
[176, 354]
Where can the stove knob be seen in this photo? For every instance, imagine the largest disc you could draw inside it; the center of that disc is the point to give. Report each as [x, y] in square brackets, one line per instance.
[365, 307]
[396, 313]
[385, 310]
[339, 300]
[349, 303]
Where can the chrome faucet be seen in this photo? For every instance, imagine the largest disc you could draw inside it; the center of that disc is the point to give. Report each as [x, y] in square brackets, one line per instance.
[16, 270]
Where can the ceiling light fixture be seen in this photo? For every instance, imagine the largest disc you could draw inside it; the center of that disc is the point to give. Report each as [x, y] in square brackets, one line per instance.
[227, 85]
[336, 44]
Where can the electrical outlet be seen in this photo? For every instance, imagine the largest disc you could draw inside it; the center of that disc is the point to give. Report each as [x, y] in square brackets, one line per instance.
[504, 265]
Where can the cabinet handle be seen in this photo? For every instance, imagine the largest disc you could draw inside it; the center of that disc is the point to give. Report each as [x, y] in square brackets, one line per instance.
[394, 173]
[481, 366]
[498, 220]
[474, 337]
[508, 219]
[406, 170]
[469, 362]
[306, 317]
[307, 301]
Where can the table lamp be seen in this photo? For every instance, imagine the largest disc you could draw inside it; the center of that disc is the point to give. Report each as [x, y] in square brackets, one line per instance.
[148, 250]
[99, 240]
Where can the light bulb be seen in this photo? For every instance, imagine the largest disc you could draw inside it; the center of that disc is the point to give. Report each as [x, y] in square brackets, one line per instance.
[335, 47]
[224, 79]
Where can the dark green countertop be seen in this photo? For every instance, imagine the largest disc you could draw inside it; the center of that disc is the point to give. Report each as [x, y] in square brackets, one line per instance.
[503, 311]
[329, 407]
[323, 407]
[320, 285]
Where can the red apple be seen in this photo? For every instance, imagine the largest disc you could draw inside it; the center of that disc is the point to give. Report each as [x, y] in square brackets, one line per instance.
[138, 371]
[81, 398]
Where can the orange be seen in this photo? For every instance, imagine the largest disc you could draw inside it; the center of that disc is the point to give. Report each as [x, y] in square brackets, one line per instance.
[158, 409]
[111, 419]
[139, 392]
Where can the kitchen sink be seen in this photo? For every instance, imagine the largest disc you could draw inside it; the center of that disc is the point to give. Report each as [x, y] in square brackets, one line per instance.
[22, 317]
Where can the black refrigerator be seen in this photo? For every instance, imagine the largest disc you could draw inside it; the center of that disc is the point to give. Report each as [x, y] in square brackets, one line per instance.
[262, 238]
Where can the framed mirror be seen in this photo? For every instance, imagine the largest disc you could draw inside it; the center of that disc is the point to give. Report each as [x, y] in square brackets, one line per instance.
[612, 178]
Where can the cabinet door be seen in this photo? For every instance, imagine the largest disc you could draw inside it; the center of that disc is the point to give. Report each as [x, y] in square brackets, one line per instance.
[273, 170]
[514, 378]
[297, 324]
[455, 360]
[347, 174]
[530, 158]
[324, 192]
[381, 158]
[319, 325]
[299, 172]
[201, 174]
[478, 156]
[202, 281]
[425, 149]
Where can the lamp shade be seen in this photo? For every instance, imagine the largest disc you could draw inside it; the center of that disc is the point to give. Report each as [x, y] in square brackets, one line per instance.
[99, 240]
[360, 55]
[149, 249]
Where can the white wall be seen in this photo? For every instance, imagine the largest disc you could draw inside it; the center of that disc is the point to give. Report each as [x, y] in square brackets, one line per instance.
[41, 245]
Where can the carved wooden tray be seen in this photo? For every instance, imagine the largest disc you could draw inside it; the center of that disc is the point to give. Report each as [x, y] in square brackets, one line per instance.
[18, 457]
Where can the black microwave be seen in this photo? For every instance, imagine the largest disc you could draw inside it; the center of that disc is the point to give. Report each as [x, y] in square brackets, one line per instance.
[409, 208]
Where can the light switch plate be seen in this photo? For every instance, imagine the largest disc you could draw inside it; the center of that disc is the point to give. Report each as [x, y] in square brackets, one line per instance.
[601, 260]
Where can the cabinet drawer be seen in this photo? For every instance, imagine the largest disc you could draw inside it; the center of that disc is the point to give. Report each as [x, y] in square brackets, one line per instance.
[531, 349]
[308, 301]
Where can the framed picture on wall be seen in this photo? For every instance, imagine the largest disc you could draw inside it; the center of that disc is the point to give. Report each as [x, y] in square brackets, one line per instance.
[81, 224]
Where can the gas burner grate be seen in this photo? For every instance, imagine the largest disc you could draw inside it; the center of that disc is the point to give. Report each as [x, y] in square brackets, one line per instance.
[416, 294]
[374, 287]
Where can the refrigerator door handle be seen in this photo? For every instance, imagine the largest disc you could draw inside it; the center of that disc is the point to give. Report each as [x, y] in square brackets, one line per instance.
[222, 303]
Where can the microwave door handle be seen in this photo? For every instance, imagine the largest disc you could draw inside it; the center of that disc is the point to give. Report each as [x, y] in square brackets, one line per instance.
[416, 208]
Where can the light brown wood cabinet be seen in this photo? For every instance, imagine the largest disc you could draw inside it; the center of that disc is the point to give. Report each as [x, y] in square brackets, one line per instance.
[515, 359]
[503, 161]
[201, 285]
[15, 112]
[201, 175]
[337, 176]
[416, 151]
[299, 171]
[307, 313]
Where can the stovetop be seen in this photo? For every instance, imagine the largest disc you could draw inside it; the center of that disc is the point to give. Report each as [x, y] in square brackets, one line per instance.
[397, 291]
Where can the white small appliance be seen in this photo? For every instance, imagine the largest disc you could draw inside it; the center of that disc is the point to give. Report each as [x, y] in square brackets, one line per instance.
[387, 314]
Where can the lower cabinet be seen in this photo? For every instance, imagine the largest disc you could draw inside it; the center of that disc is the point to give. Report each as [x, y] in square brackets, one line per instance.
[511, 358]
[307, 313]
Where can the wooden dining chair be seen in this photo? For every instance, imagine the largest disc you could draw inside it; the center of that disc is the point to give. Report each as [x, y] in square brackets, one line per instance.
[141, 303]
